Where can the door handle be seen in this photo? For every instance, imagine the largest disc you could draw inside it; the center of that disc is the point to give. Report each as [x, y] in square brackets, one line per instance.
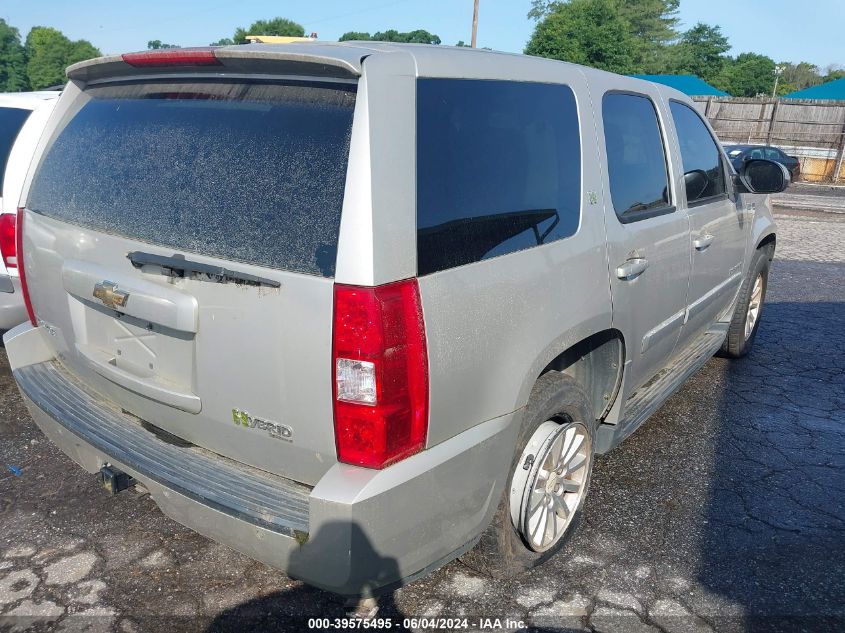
[632, 268]
[703, 242]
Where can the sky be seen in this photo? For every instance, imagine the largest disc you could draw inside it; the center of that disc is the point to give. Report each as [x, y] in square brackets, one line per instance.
[786, 30]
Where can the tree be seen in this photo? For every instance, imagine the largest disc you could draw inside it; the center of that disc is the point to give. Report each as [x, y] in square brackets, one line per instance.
[13, 76]
[832, 72]
[700, 52]
[49, 52]
[276, 26]
[419, 36]
[541, 8]
[223, 41]
[799, 76]
[80, 50]
[589, 32]
[358, 36]
[154, 45]
[651, 23]
[355, 36]
[748, 75]
[462, 44]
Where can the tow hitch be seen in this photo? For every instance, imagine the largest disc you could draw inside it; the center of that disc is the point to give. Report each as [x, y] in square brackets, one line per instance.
[114, 480]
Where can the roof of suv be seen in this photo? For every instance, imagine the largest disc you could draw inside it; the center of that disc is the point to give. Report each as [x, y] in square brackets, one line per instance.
[347, 54]
[345, 59]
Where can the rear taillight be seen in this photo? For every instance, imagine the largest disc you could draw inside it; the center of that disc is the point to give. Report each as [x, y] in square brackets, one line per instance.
[172, 57]
[8, 241]
[19, 249]
[380, 367]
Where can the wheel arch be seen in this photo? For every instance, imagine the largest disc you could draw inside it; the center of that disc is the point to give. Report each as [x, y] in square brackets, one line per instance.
[769, 240]
[596, 363]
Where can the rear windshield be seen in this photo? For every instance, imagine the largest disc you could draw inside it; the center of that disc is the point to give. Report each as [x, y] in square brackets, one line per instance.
[251, 172]
[11, 122]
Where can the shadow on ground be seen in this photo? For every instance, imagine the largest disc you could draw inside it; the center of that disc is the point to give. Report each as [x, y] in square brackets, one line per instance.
[296, 608]
[775, 542]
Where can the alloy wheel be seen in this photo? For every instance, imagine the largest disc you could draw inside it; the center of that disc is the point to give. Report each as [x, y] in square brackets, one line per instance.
[754, 306]
[550, 482]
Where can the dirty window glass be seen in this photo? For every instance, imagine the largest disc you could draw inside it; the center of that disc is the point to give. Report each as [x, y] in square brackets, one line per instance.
[636, 163]
[498, 169]
[11, 122]
[251, 172]
[699, 153]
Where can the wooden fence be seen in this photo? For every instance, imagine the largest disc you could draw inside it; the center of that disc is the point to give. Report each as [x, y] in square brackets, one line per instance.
[812, 130]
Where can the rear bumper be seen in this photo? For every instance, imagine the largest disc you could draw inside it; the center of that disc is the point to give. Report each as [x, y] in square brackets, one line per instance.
[357, 531]
[12, 309]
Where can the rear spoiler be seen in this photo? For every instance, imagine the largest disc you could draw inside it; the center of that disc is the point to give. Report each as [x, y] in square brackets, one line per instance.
[310, 60]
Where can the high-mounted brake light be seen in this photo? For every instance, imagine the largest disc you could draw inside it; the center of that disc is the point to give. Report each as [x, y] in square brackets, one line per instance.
[21, 272]
[172, 57]
[8, 241]
[380, 366]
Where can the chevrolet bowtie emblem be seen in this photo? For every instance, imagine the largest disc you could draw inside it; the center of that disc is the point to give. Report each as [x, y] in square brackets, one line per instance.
[107, 292]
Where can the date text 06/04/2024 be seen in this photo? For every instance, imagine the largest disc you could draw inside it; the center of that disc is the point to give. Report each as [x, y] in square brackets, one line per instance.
[445, 624]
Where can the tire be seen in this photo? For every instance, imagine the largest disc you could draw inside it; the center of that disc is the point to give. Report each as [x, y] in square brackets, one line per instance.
[738, 342]
[503, 551]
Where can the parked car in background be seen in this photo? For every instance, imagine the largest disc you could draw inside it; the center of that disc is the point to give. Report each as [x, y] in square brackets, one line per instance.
[742, 153]
[23, 116]
[402, 323]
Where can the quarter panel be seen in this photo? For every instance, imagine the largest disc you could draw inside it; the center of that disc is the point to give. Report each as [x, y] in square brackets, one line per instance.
[493, 325]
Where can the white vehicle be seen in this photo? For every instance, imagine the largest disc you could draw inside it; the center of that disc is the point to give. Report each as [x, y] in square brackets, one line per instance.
[23, 116]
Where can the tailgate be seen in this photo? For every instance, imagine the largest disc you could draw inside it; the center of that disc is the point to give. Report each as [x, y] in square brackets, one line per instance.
[180, 244]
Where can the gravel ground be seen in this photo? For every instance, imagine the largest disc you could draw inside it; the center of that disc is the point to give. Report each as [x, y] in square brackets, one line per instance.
[723, 512]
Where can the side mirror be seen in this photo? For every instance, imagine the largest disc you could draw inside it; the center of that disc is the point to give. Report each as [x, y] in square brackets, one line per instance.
[759, 175]
[696, 182]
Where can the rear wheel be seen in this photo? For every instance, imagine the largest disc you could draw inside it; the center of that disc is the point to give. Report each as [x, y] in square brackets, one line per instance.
[544, 499]
[548, 481]
[749, 308]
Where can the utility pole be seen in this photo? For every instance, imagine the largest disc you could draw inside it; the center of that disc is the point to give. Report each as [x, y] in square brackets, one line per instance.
[778, 70]
[474, 22]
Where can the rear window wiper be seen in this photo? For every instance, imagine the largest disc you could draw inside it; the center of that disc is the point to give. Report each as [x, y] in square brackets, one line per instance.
[178, 266]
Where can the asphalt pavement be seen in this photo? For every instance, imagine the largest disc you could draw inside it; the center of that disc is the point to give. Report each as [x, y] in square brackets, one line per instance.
[725, 511]
[813, 197]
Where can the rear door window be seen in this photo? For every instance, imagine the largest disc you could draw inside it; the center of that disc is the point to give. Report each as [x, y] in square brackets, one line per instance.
[700, 154]
[636, 161]
[498, 169]
[11, 122]
[251, 172]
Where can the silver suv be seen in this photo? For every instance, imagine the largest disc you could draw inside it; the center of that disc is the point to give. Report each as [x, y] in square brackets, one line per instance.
[357, 309]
